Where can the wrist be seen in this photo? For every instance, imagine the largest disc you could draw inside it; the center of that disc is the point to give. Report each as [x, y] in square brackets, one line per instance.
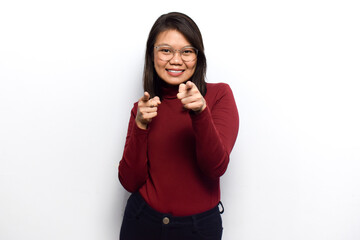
[140, 124]
[196, 112]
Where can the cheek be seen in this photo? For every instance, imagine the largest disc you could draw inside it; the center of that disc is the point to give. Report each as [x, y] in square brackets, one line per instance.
[158, 66]
[159, 63]
[192, 67]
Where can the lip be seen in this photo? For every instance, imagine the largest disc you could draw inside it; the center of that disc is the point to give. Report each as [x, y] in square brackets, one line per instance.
[175, 72]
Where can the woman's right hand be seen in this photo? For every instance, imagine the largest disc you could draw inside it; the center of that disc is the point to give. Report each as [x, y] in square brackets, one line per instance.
[147, 110]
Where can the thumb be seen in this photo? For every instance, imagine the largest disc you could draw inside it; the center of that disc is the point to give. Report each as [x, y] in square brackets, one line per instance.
[146, 97]
[189, 85]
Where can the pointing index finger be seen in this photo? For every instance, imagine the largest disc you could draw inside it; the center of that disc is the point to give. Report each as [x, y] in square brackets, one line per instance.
[182, 87]
[156, 100]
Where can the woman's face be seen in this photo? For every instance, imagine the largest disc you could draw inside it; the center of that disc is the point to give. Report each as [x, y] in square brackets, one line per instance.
[175, 70]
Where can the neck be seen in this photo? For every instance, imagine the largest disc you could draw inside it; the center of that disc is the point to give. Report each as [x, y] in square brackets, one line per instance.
[169, 91]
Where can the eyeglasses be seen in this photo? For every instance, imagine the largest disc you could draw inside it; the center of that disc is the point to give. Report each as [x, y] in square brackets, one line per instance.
[166, 53]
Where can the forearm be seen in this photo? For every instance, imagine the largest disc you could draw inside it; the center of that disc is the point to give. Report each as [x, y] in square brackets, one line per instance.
[216, 131]
[133, 167]
[212, 156]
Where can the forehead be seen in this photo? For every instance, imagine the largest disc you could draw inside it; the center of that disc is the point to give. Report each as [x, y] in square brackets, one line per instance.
[173, 38]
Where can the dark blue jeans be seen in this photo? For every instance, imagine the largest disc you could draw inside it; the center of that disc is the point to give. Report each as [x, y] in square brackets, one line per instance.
[141, 222]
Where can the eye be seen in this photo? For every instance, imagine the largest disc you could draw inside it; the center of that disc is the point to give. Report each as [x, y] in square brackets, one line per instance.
[165, 50]
[188, 51]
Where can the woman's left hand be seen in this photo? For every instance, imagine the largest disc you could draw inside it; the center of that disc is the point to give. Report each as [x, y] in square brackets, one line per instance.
[191, 97]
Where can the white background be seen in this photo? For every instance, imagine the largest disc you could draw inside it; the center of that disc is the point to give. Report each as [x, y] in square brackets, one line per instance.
[70, 71]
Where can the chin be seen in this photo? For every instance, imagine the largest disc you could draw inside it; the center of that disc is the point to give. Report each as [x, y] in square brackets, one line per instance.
[174, 81]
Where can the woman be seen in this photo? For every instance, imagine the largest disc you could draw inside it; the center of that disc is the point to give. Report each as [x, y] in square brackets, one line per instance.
[179, 139]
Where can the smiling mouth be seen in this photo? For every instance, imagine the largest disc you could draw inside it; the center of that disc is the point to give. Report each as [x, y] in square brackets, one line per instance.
[175, 71]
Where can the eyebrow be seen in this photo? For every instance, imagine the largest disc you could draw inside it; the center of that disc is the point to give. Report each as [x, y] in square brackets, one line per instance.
[165, 44]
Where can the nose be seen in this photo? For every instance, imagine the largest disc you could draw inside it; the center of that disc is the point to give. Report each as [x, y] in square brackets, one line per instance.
[176, 58]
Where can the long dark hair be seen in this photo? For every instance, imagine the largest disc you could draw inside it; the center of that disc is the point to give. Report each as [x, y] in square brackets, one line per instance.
[185, 25]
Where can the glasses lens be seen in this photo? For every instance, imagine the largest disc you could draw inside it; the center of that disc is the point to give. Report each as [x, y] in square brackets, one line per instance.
[188, 54]
[165, 53]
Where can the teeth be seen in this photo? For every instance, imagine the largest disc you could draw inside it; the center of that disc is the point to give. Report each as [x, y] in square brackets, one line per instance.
[174, 71]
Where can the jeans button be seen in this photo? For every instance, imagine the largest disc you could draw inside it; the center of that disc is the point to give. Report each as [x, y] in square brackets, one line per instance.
[166, 220]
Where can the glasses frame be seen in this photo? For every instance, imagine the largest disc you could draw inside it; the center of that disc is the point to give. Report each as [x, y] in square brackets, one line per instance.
[178, 50]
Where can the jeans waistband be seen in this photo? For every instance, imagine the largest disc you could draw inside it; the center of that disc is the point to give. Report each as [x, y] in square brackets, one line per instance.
[145, 208]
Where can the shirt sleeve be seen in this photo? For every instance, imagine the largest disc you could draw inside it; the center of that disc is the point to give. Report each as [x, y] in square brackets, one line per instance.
[133, 167]
[216, 131]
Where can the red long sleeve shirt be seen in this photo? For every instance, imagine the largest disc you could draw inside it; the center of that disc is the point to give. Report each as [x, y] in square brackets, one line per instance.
[176, 163]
